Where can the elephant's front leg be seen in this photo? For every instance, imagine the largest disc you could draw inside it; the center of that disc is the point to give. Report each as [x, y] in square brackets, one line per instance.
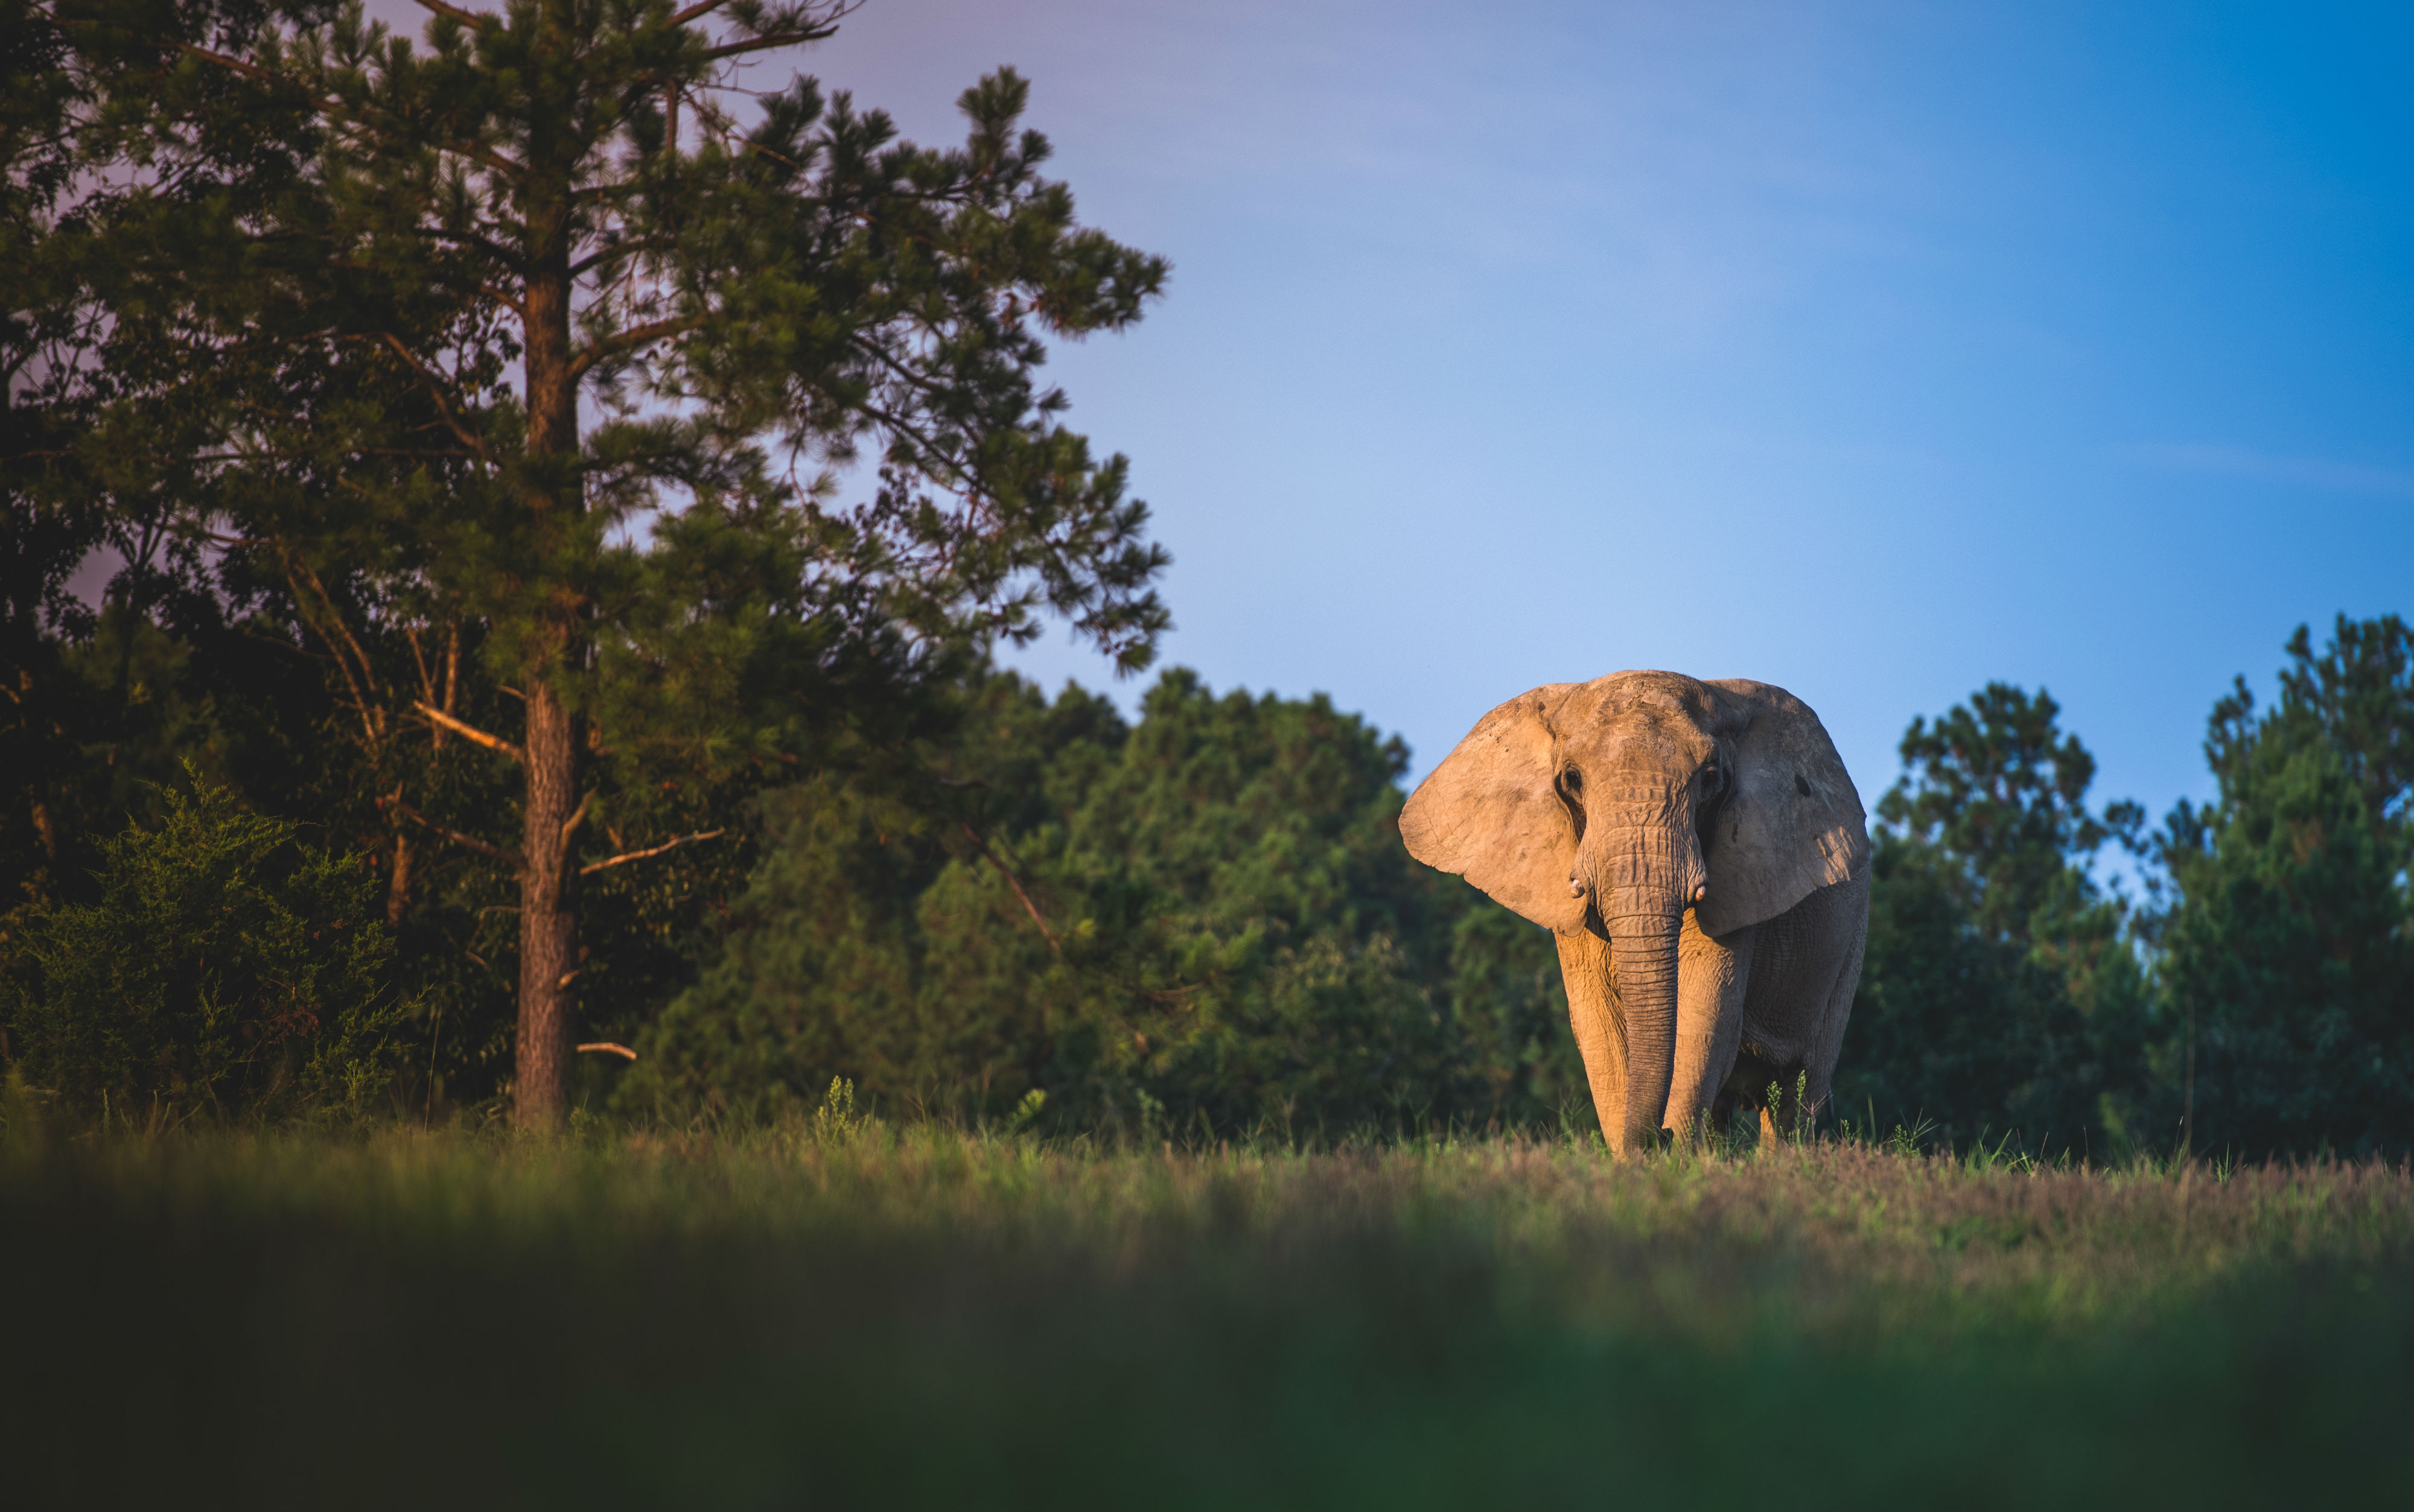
[1710, 979]
[1600, 1031]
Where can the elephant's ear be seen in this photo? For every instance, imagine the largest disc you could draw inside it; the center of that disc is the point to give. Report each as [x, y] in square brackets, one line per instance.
[1491, 814]
[1790, 822]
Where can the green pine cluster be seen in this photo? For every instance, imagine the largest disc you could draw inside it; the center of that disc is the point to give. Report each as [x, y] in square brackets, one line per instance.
[224, 968]
[1199, 924]
[2254, 996]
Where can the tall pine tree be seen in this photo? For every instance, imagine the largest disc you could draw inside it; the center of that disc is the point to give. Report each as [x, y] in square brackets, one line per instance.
[2289, 956]
[541, 351]
[2001, 992]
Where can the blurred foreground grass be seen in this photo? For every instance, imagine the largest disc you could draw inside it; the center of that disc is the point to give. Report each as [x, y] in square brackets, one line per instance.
[877, 1318]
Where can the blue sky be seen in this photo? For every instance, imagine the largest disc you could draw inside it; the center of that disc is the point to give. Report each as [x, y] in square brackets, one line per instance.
[1875, 350]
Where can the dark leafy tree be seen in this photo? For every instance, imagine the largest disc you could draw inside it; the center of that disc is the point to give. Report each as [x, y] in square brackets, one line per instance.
[1205, 922]
[45, 531]
[524, 371]
[224, 968]
[1997, 786]
[2287, 960]
[2002, 991]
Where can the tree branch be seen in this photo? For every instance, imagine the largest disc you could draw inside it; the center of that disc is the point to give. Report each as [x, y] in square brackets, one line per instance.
[467, 842]
[607, 1048]
[467, 18]
[369, 671]
[470, 733]
[634, 336]
[577, 816]
[770, 40]
[435, 390]
[639, 855]
[337, 111]
[488, 244]
[336, 650]
[1012, 880]
[426, 684]
[618, 250]
[234, 64]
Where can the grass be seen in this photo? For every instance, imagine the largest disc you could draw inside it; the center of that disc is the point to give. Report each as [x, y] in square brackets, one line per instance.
[848, 1315]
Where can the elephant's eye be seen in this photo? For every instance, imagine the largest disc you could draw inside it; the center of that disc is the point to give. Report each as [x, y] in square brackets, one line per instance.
[1571, 780]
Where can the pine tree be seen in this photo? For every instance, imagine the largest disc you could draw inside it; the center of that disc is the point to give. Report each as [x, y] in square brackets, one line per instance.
[2288, 957]
[43, 535]
[1207, 914]
[540, 351]
[2001, 990]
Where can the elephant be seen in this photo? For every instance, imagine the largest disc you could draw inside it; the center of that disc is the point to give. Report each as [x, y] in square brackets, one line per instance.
[1700, 854]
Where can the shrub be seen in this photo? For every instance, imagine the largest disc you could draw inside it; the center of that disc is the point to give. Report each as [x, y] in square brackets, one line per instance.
[225, 969]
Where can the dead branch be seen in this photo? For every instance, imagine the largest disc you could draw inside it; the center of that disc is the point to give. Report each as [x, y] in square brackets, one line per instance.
[639, 855]
[470, 733]
[607, 1048]
[426, 684]
[360, 685]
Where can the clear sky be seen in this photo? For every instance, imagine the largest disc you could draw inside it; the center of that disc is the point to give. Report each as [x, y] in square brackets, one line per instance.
[1876, 350]
[1873, 349]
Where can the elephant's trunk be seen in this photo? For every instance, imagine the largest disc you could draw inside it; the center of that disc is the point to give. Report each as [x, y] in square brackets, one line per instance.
[1650, 870]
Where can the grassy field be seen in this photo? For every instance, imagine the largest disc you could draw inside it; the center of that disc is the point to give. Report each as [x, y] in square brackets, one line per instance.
[877, 1317]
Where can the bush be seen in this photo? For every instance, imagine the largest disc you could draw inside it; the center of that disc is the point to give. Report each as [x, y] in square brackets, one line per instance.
[225, 969]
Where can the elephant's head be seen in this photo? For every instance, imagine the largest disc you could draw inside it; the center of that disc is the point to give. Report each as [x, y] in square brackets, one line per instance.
[1616, 804]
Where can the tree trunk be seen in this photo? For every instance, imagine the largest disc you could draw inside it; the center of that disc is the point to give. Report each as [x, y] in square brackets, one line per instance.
[549, 879]
[548, 912]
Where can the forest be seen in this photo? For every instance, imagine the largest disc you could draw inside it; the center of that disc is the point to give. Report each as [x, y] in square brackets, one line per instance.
[446, 682]
[1200, 923]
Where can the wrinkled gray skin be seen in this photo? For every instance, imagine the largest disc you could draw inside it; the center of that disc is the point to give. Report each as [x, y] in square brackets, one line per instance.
[1700, 854]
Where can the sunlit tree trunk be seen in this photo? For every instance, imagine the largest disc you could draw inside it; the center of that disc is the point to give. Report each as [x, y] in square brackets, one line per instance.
[549, 880]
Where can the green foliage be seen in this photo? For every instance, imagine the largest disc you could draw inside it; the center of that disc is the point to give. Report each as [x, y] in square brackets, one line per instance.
[837, 1120]
[1995, 786]
[2288, 953]
[2262, 1010]
[224, 969]
[507, 373]
[1512, 1004]
[1208, 914]
[2001, 990]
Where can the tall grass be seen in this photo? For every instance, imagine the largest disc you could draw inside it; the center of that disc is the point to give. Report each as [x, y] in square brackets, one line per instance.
[840, 1313]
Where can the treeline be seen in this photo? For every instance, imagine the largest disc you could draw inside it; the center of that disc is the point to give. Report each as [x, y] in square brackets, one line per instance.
[1202, 922]
[2255, 996]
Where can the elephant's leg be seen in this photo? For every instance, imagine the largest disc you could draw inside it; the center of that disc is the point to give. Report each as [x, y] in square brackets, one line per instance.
[1711, 980]
[1600, 1033]
[1750, 1083]
[1852, 918]
[1804, 973]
